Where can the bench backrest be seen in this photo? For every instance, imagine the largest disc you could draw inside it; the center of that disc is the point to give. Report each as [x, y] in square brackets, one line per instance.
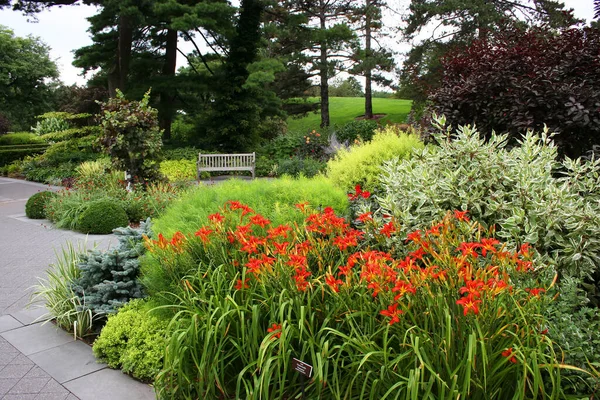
[226, 162]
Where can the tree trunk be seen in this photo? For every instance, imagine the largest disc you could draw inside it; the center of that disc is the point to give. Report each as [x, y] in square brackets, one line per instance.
[166, 94]
[368, 55]
[117, 76]
[323, 72]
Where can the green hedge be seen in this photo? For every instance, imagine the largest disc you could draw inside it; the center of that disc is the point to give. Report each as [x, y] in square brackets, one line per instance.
[12, 153]
[71, 133]
[20, 138]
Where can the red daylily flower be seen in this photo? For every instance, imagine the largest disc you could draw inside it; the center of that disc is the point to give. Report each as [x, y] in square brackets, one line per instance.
[333, 283]
[461, 215]
[508, 353]
[216, 218]
[392, 312]
[388, 229]
[469, 303]
[203, 233]
[242, 285]
[275, 328]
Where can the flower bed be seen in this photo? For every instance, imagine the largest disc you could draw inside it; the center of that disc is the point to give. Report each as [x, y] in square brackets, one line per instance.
[452, 313]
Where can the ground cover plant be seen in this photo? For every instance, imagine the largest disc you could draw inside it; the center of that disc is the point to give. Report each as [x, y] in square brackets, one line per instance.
[460, 315]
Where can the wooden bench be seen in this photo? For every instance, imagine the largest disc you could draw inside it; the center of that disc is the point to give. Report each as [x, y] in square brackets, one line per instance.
[226, 162]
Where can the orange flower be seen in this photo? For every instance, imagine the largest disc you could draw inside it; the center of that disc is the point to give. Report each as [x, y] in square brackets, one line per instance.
[461, 215]
[368, 216]
[392, 312]
[281, 248]
[333, 283]
[276, 330]
[203, 234]
[259, 220]
[414, 236]
[535, 292]
[216, 218]
[302, 206]
[403, 287]
[469, 303]
[508, 353]
[488, 245]
[279, 231]
[468, 249]
[242, 285]
[388, 229]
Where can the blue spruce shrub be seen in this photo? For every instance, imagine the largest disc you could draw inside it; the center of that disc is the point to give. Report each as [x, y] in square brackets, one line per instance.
[109, 279]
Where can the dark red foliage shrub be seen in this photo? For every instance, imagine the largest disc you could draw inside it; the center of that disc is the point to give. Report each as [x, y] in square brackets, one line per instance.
[519, 80]
[4, 125]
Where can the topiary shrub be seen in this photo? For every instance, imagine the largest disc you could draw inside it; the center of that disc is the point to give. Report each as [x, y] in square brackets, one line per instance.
[101, 217]
[361, 164]
[35, 208]
[131, 137]
[133, 340]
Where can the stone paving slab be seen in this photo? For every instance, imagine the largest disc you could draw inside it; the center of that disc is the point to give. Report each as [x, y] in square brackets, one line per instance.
[35, 338]
[27, 247]
[68, 361]
[31, 315]
[109, 384]
[8, 322]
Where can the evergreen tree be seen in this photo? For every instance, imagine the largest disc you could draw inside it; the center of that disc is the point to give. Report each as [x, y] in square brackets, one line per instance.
[369, 59]
[329, 41]
[234, 115]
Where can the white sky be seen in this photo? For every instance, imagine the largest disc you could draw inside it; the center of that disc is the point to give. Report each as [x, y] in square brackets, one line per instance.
[64, 29]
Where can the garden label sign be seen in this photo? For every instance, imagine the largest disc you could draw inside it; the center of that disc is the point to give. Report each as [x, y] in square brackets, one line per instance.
[302, 367]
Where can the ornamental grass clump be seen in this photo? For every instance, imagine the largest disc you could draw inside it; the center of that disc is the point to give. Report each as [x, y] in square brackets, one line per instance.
[458, 316]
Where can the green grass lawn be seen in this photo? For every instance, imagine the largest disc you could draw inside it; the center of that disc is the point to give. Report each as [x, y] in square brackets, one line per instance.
[345, 109]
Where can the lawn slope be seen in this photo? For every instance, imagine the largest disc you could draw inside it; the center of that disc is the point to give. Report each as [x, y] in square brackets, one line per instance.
[345, 109]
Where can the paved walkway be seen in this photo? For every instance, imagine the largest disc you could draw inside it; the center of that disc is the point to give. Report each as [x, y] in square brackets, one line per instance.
[39, 361]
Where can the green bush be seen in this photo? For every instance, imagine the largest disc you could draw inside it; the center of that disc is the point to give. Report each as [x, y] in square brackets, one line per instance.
[35, 208]
[361, 164]
[131, 137]
[20, 138]
[182, 153]
[275, 199]
[178, 170]
[133, 340]
[9, 154]
[297, 166]
[353, 130]
[49, 125]
[71, 133]
[101, 217]
[520, 191]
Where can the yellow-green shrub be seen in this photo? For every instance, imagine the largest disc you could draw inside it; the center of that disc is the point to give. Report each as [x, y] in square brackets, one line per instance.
[133, 340]
[360, 165]
[178, 170]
